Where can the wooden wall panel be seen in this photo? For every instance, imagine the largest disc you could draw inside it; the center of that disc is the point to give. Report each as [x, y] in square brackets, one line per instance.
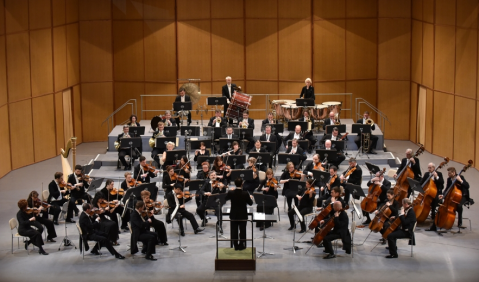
[6, 166]
[59, 58]
[417, 9]
[395, 8]
[123, 91]
[442, 141]
[77, 114]
[328, 87]
[428, 55]
[197, 54]
[40, 14]
[2, 17]
[44, 127]
[127, 9]
[444, 59]
[160, 10]
[329, 49]
[261, 9]
[326, 9]
[464, 131]
[429, 119]
[18, 67]
[261, 49]
[97, 105]
[71, 11]
[292, 87]
[227, 45]
[416, 52]
[361, 8]
[192, 9]
[394, 100]
[58, 8]
[16, 15]
[299, 9]
[476, 165]
[428, 11]
[445, 12]
[95, 10]
[41, 61]
[128, 58]
[59, 122]
[155, 103]
[361, 48]
[466, 62]
[466, 13]
[394, 49]
[95, 51]
[261, 87]
[160, 51]
[21, 133]
[294, 50]
[73, 54]
[366, 89]
[3, 73]
[413, 112]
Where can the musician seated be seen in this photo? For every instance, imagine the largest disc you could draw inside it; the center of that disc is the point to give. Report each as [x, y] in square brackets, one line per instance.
[309, 135]
[170, 178]
[269, 186]
[57, 198]
[439, 181]
[41, 217]
[247, 122]
[228, 135]
[296, 149]
[127, 151]
[305, 198]
[235, 152]
[141, 172]
[339, 155]
[325, 191]
[268, 120]
[308, 90]
[258, 149]
[408, 219]
[140, 231]
[213, 186]
[217, 120]
[306, 117]
[158, 225]
[332, 120]
[288, 174]
[156, 152]
[25, 223]
[170, 146]
[202, 152]
[182, 97]
[352, 175]
[107, 226]
[90, 227]
[167, 120]
[113, 195]
[373, 138]
[173, 201]
[127, 183]
[385, 186]
[133, 121]
[293, 135]
[340, 230]
[314, 165]
[268, 136]
[413, 164]
[184, 171]
[80, 185]
[394, 206]
[334, 136]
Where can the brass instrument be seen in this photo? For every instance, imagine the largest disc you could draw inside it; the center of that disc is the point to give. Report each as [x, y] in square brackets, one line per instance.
[218, 120]
[151, 142]
[117, 144]
[244, 124]
[308, 120]
[366, 142]
[336, 120]
[370, 122]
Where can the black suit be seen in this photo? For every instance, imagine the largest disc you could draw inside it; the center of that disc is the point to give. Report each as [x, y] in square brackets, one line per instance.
[55, 193]
[439, 185]
[118, 210]
[305, 207]
[386, 185]
[233, 136]
[250, 139]
[212, 121]
[140, 231]
[326, 193]
[181, 212]
[354, 178]
[328, 137]
[307, 93]
[173, 122]
[239, 200]
[204, 199]
[464, 187]
[340, 230]
[139, 171]
[187, 99]
[373, 138]
[80, 193]
[328, 122]
[416, 169]
[122, 152]
[90, 231]
[299, 151]
[225, 93]
[406, 231]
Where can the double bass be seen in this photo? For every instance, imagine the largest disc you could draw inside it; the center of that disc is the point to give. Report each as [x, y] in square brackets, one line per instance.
[422, 203]
[370, 202]
[402, 185]
[446, 214]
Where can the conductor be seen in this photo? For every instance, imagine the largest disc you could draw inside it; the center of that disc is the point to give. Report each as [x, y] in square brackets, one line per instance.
[239, 199]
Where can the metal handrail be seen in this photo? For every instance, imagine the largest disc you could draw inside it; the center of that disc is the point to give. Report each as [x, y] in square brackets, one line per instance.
[109, 119]
[381, 116]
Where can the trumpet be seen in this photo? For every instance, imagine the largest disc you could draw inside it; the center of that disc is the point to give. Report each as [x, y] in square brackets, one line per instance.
[218, 120]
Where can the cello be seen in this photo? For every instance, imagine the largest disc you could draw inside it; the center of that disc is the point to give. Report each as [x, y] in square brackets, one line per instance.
[380, 218]
[446, 214]
[324, 230]
[422, 203]
[402, 185]
[370, 203]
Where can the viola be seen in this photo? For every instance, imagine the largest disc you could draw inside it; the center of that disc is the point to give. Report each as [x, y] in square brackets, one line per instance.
[174, 177]
[34, 211]
[402, 185]
[116, 191]
[94, 211]
[370, 202]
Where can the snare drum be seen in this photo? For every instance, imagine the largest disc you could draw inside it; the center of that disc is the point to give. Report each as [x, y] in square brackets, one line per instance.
[319, 112]
[334, 106]
[292, 112]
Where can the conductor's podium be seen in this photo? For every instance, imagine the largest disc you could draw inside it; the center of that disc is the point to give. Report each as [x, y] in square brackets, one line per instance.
[229, 259]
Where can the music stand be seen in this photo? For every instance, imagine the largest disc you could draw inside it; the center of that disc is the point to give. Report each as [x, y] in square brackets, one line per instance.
[179, 219]
[321, 177]
[284, 158]
[182, 106]
[130, 143]
[243, 133]
[329, 155]
[304, 102]
[415, 185]
[270, 146]
[263, 158]
[207, 131]
[95, 184]
[294, 186]
[245, 174]
[265, 201]
[192, 130]
[227, 144]
[373, 169]
[170, 131]
[214, 201]
[196, 185]
[359, 129]
[276, 128]
[341, 128]
[235, 160]
[302, 143]
[195, 144]
[338, 145]
[216, 101]
[86, 169]
[151, 187]
[173, 156]
[292, 125]
[160, 142]
[137, 130]
[354, 190]
[202, 159]
[262, 217]
[299, 218]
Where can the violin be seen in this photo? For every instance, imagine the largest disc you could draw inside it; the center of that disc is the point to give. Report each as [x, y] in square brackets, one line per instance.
[271, 182]
[174, 177]
[116, 191]
[39, 203]
[184, 195]
[225, 168]
[216, 184]
[311, 191]
[94, 211]
[149, 168]
[133, 183]
[104, 203]
[34, 211]
[63, 184]
[348, 173]
[295, 174]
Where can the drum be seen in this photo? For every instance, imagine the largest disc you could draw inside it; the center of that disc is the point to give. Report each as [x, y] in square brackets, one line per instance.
[154, 122]
[235, 112]
[319, 112]
[334, 107]
[276, 106]
[241, 100]
[291, 111]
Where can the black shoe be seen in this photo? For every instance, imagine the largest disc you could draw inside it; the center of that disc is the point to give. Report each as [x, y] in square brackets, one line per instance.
[182, 233]
[118, 256]
[326, 252]
[383, 242]
[198, 230]
[431, 229]
[151, 258]
[366, 222]
[203, 224]
[372, 152]
[329, 256]
[221, 230]
[76, 213]
[291, 228]
[302, 231]
[42, 252]
[95, 253]
[261, 228]
[69, 220]
[165, 244]
[392, 256]
[55, 222]
[143, 252]
[51, 240]
[26, 244]
[387, 248]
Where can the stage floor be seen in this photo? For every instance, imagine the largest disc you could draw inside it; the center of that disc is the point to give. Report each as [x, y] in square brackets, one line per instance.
[447, 258]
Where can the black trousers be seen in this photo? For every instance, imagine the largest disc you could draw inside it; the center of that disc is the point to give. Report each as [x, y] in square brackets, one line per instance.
[160, 229]
[154, 154]
[110, 229]
[186, 214]
[77, 196]
[268, 210]
[101, 238]
[149, 241]
[238, 228]
[119, 210]
[398, 233]
[34, 235]
[291, 214]
[289, 199]
[366, 214]
[124, 152]
[51, 233]
[373, 138]
[202, 208]
[57, 209]
[178, 120]
[321, 199]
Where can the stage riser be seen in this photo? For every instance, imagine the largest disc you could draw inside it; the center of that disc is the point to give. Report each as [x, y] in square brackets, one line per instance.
[240, 264]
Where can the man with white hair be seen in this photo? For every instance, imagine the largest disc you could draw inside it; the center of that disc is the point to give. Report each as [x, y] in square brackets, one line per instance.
[413, 164]
[228, 92]
[339, 155]
[330, 120]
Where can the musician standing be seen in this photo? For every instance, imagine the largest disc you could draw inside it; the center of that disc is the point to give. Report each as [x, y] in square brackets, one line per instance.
[306, 201]
[413, 164]
[217, 120]
[353, 178]
[373, 138]
[385, 186]
[57, 198]
[239, 214]
[228, 92]
[156, 152]
[287, 175]
[140, 231]
[141, 174]
[408, 219]
[124, 151]
[307, 91]
[340, 230]
[439, 181]
[182, 97]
